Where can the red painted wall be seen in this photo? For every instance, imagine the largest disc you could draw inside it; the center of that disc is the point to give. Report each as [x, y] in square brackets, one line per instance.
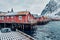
[16, 19]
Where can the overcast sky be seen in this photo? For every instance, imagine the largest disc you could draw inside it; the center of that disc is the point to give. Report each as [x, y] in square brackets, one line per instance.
[34, 6]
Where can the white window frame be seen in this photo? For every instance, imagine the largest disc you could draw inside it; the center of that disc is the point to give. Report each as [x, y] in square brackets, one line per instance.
[2, 17]
[12, 17]
[7, 16]
[20, 17]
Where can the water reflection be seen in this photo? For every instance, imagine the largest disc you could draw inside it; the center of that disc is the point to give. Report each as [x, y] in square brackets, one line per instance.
[30, 31]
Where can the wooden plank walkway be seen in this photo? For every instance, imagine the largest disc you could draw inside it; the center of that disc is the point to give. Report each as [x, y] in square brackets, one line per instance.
[15, 35]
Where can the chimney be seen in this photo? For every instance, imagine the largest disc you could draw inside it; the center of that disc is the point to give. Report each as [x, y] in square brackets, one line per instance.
[12, 10]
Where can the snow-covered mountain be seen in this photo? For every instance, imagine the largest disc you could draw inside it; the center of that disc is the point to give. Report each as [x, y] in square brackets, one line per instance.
[52, 8]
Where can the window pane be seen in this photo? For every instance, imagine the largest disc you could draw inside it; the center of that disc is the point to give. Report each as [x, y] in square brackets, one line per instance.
[7, 16]
[11, 16]
[2, 18]
[20, 17]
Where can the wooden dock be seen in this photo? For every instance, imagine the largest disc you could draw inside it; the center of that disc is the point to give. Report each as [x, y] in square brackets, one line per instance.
[15, 35]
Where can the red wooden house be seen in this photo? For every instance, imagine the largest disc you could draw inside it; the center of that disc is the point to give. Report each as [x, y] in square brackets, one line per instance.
[16, 17]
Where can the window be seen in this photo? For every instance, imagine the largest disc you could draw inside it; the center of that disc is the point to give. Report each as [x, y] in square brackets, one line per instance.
[11, 16]
[20, 17]
[2, 18]
[7, 16]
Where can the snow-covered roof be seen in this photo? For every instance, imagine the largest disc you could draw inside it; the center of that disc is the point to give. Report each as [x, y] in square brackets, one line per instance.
[15, 13]
[11, 13]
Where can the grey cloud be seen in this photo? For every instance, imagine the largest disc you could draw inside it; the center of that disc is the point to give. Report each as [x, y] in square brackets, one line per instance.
[34, 6]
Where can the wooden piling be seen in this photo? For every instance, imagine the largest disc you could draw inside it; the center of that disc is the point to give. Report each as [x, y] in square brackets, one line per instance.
[23, 27]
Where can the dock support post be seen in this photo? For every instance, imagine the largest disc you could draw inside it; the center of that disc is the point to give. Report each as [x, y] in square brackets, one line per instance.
[31, 27]
[15, 25]
[23, 26]
[12, 25]
[4, 24]
[19, 26]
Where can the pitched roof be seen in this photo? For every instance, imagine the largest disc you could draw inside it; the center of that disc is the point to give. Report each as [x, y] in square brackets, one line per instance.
[3, 13]
[15, 13]
[23, 13]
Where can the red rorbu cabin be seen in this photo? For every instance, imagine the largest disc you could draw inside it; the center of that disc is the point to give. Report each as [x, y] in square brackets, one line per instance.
[16, 17]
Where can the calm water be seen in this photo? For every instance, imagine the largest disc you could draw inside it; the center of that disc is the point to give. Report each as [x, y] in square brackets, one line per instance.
[50, 31]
